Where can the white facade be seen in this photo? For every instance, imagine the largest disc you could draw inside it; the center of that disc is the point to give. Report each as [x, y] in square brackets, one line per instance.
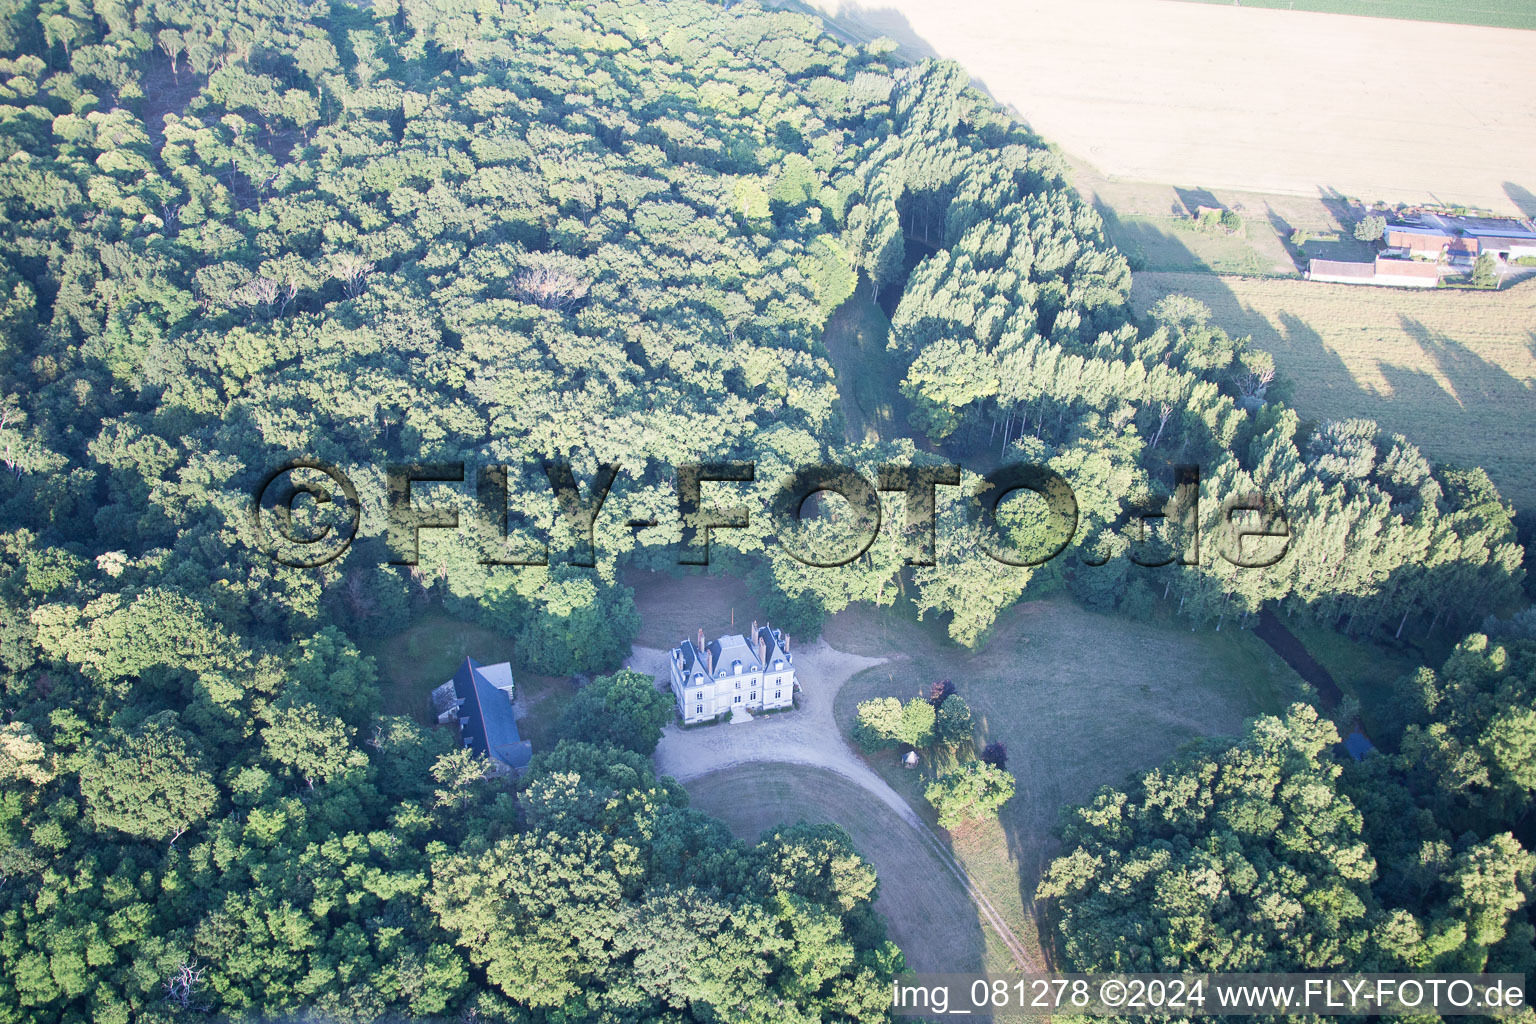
[734, 673]
[1403, 281]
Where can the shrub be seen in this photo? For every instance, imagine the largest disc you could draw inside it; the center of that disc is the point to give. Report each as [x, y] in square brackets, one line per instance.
[878, 724]
[624, 709]
[978, 790]
[953, 723]
[917, 722]
[1485, 272]
[1370, 228]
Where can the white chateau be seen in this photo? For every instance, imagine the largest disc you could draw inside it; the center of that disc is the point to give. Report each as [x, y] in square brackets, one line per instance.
[733, 674]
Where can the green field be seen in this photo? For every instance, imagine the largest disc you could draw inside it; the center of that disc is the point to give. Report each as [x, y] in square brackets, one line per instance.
[1167, 243]
[672, 607]
[1080, 700]
[425, 655]
[927, 911]
[867, 374]
[1365, 671]
[1492, 13]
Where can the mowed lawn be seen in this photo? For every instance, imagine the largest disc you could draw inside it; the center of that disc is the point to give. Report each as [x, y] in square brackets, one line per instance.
[1451, 370]
[675, 607]
[926, 910]
[1081, 700]
[425, 654]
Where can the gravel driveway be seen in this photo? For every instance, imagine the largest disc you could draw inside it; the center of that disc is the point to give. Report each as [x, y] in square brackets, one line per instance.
[809, 736]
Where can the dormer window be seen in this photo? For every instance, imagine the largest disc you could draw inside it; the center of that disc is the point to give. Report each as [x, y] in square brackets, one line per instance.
[736, 668]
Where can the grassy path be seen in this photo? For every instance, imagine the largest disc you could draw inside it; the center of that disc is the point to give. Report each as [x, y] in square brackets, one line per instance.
[873, 405]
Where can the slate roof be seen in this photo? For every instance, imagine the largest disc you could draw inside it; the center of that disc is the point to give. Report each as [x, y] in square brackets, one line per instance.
[691, 657]
[773, 645]
[1413, 229]
[486, 719]
[733, 647]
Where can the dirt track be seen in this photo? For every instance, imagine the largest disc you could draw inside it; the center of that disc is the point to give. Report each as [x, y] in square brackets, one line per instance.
[1243, 97]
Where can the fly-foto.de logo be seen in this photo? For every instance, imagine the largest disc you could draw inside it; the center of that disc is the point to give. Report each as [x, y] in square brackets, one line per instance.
[306, 513]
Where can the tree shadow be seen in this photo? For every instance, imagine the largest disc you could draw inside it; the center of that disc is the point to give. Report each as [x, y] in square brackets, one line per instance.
[1449, 393]
[1340, 207]
[1283, 230]
[1523, 198]
[1146, 245]
[1194, 198]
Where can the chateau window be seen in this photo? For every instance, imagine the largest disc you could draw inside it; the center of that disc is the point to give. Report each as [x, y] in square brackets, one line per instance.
[699, 695]
[738, 684]
[777, 694]
[754, 695]
[699, 710]
[738, 698]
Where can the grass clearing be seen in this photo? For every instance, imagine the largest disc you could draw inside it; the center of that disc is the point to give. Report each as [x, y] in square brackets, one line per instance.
[1165, 244]
[1365, 671]
[1080, 699]
[1492, 13]
[855, 338]
[673, 608]
[927, 911]
[424, 655]
[1451, 370]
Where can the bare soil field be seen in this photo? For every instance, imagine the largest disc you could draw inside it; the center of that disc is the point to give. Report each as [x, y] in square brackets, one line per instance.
[1227, 96]
[1453, 371]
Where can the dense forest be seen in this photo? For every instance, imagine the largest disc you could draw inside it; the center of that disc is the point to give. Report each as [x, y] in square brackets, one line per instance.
[499, 233]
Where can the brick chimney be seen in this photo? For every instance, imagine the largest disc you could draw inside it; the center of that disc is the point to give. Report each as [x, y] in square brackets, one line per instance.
[700, 644]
